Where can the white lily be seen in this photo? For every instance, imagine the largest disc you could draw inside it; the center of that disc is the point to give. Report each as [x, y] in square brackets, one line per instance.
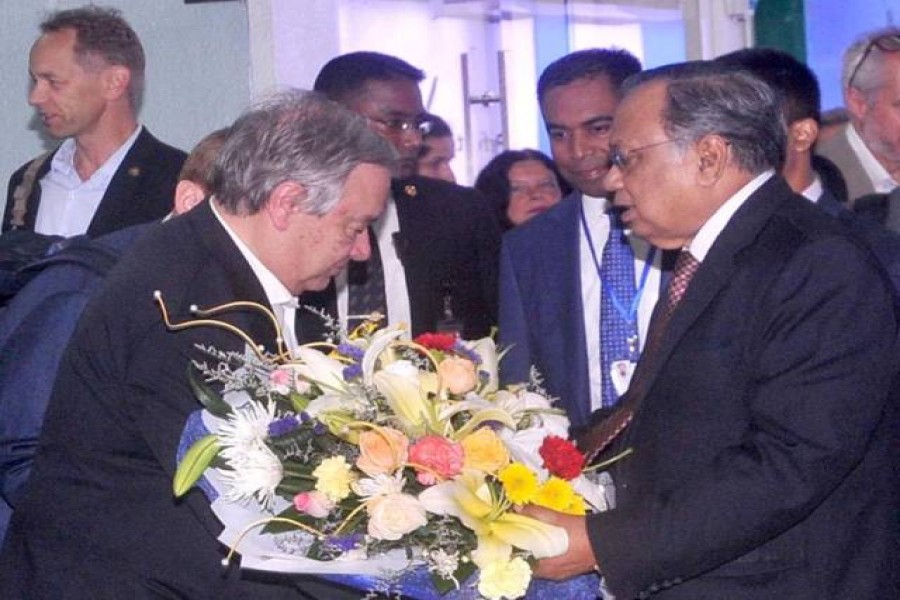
[509, 409]
[406, 390]
[486, 349]
[316, 367]
[469, 499]
[380, 341]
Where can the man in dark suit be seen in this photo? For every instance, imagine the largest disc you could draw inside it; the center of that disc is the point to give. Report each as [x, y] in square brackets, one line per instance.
[87, 71]
[273, 229]
[761, 435]
[437, 242]
[804, 171]
[554, 271]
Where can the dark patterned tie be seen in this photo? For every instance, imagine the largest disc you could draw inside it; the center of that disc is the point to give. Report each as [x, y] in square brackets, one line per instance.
[685, 267]
[365, 284]
[618, 326]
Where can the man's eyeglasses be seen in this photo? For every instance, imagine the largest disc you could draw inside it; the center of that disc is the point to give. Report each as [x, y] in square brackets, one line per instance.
[885, 43]
[621, 159]
[401, 126]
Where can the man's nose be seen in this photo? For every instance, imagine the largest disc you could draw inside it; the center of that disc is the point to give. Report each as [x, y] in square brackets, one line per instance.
[37, 94]
[362, 246]
[579, 146]
[612, 181]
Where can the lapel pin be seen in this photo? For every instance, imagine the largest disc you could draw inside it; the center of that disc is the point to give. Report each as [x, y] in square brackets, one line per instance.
[134, 171]
[410, 190]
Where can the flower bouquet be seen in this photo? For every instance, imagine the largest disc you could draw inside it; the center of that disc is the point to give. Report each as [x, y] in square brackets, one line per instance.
[382, 458]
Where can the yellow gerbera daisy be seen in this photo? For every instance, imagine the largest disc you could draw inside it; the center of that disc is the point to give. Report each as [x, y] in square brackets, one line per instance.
[556, 494]
[519, 483]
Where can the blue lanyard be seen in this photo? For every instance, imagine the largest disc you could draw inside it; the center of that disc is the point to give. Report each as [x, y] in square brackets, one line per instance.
[628, 315]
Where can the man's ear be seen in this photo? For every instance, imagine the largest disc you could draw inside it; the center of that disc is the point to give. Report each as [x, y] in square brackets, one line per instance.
[802, 135]
[856, 102]
[712, 159]
[187, 195]
[115, 80]
[284, 202]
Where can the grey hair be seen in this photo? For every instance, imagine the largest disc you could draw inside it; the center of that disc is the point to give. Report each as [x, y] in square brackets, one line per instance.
[869, 77]
[295, 136]
[705, 98]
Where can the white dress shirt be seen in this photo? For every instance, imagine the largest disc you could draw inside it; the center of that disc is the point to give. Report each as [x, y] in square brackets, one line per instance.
[814, 191]
[598, 226]
[877, 174]
[67, 203]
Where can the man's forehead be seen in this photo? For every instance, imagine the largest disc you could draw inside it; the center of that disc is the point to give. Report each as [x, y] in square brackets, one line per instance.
[580, 102]
[639, 112]
[392, 97]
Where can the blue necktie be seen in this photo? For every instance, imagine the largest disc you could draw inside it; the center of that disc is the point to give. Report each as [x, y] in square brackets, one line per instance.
[618, 322]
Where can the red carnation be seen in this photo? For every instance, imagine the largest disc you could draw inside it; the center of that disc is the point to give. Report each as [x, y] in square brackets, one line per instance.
[561, 457]
[437, 341]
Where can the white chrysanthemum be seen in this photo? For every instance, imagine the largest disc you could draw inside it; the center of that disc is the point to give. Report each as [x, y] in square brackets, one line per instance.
[255, 474]
[380, 485]
[246, 429]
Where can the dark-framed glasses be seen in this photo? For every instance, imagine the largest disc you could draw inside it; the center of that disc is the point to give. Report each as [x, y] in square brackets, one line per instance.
[885, 43]
[398, 126]
[621, 159]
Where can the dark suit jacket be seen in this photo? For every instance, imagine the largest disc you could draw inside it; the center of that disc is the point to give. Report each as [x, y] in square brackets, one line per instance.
[449, 243]
[141, 190]
[98, 518]
[762, 450]
[541, 311]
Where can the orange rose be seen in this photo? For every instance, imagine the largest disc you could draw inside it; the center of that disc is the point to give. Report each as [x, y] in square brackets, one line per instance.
[484, 451]
[458, 374]
[382, 451]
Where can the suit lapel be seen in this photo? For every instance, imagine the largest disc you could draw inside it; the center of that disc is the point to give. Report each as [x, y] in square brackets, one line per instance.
[561, 271]
[243, 284]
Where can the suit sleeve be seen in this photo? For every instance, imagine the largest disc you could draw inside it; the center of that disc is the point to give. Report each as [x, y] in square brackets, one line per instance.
[516, 363]
[488, 245]
[30, 353]
[817, 383]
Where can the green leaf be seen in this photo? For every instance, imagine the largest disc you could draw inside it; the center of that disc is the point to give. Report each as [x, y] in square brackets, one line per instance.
[195, 462]
[289, 513]
[210, 400]
[299, 402]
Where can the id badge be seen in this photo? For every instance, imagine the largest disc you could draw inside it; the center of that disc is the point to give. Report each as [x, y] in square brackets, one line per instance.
[620, 375]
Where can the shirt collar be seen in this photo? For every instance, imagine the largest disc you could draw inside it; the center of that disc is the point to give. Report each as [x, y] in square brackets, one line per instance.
[275, 291]
[875, 171]
[64, 159]
[709, 232]
[814, 191]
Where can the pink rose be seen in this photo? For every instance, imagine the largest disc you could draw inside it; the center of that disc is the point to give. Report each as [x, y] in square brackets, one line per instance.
[285, 380]
[458, 374]
[441, 459]
[315, 504]
[382, 451]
